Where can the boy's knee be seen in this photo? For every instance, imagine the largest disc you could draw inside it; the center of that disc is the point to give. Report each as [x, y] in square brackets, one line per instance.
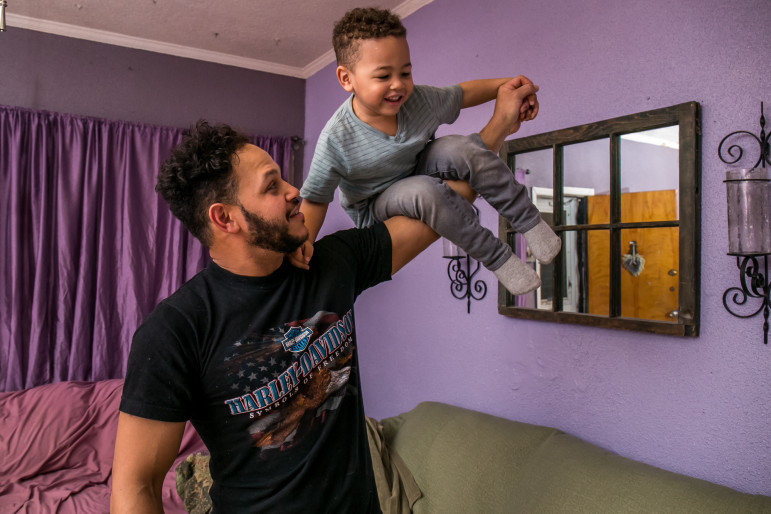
[456, 148]
[450, 145]
[427, 189]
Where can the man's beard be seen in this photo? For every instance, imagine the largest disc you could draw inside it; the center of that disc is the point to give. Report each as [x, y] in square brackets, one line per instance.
[271, 235]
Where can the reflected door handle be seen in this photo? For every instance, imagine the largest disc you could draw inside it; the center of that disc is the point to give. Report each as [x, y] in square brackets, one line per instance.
[673, 314]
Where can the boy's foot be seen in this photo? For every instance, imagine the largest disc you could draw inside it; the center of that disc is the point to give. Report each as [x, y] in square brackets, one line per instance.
[543, 243]
[517, 277]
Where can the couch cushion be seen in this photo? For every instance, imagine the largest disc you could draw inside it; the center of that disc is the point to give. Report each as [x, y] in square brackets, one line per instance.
[465, 461]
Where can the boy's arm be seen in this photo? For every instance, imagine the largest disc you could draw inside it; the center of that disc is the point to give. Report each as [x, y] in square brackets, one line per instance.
[145, 449]
[507, 115]
[476, 92]
[314, 213]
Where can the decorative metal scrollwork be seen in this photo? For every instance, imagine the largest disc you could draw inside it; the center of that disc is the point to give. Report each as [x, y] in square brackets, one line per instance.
[462, 285]
[736, 152]
[754, 279]
[754, 284]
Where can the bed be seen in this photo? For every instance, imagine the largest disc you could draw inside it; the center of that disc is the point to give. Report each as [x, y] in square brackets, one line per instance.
[56, 449]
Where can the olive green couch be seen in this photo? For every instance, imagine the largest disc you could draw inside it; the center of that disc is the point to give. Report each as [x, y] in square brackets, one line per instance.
[468, 462]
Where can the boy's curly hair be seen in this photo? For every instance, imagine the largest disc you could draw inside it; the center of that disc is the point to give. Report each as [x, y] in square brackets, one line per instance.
[200, 173]
[362, 23]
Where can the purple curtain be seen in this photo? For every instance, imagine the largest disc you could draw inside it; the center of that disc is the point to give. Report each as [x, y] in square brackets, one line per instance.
[88, 247]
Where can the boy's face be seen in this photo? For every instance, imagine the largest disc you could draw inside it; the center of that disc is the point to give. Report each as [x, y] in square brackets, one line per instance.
[381, 79]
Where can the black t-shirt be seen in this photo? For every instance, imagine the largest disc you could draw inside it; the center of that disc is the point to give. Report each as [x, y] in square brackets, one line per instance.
[266, 369]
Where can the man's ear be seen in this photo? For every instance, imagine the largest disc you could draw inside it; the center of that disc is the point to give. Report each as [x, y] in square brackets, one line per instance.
[222, 219]
[344, 78]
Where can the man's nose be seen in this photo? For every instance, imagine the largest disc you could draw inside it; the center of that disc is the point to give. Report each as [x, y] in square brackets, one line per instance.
[292, 192]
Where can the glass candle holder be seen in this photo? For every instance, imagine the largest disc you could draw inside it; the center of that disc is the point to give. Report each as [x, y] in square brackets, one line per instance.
[748, 192]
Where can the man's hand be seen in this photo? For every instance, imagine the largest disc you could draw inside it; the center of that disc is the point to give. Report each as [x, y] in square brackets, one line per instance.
[302, 256]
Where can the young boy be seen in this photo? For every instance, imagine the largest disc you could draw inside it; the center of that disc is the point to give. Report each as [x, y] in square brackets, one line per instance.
[377, 148]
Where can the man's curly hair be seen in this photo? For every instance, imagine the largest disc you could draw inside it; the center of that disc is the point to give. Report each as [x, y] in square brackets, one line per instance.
[362, 23]
[200, 173]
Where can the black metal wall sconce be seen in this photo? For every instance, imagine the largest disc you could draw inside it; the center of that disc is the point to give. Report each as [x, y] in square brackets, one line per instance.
[461, 270]
[748, 194]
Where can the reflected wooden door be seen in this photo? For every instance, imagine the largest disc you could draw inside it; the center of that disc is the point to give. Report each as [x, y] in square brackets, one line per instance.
[653, 294]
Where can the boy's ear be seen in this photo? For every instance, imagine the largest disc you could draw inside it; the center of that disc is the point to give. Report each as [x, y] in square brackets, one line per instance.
[222, 219]
[344, 76]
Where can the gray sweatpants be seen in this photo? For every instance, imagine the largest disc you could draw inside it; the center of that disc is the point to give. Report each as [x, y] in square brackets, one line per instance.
[426, 197]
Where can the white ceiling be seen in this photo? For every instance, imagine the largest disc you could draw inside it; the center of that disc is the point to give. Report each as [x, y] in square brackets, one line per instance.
[287, 37]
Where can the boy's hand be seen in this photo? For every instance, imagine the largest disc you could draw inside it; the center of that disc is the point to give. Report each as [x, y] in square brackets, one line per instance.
[529, 108]
[516, 102]
[302, 256]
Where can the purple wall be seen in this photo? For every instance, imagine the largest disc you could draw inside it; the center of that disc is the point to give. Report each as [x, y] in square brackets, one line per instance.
[47, 72]
[696, 406]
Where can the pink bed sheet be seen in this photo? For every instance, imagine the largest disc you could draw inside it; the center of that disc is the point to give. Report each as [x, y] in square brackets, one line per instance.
[56, 449]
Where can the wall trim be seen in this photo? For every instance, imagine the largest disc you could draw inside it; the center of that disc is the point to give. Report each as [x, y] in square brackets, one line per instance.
[113, 38]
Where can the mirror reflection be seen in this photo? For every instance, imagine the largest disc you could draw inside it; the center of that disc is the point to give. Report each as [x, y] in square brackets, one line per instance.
[620, 191]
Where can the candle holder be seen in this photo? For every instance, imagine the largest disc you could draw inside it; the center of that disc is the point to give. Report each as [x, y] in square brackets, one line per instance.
[461, 270]
[3, 5]
[748, 193]
[462, 285]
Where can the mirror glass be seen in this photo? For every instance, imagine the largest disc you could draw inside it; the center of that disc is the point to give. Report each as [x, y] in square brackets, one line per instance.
[650, 174]
[629, 222]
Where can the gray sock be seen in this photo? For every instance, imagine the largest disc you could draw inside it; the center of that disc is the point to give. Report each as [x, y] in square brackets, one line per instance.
[517, 276]
[543, 243]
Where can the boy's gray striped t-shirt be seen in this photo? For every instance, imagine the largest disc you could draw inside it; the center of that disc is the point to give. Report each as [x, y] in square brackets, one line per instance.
[364, 161]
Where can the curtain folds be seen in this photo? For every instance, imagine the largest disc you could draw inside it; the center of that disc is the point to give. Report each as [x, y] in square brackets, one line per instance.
[88, 247]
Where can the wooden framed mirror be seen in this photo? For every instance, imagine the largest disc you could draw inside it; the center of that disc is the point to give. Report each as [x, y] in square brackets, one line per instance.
[630, 222]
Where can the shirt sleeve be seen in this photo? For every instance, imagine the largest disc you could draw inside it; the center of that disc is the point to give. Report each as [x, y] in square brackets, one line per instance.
[366, 251]
[157, 384]
[324, 173]
[445, 102]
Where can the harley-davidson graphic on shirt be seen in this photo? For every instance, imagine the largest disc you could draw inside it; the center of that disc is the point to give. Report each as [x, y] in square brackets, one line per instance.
[291, 377]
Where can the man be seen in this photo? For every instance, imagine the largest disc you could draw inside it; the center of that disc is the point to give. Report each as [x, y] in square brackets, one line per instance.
[260, 355]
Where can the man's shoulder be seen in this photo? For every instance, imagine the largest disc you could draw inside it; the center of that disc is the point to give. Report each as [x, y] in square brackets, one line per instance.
[331, 244]
[377, 230]
[187, 301]
[363, 255]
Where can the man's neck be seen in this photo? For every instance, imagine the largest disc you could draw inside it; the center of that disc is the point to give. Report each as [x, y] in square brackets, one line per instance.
[249, 261]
